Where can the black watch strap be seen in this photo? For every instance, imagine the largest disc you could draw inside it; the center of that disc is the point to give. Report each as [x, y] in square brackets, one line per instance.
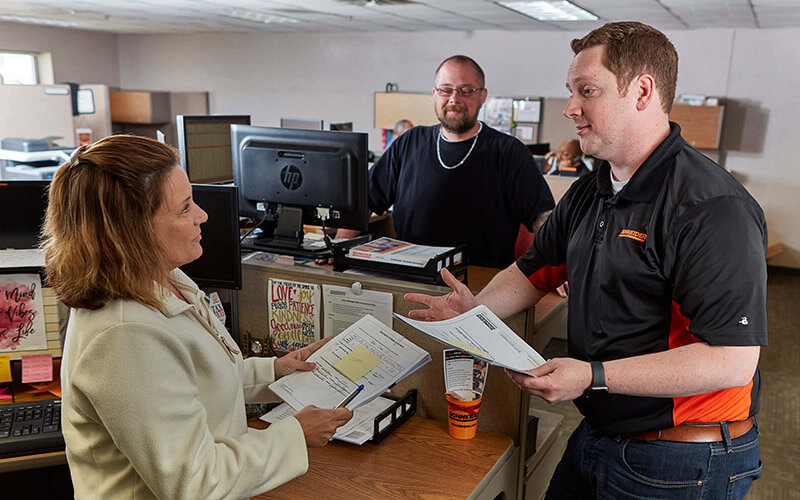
[598, 377]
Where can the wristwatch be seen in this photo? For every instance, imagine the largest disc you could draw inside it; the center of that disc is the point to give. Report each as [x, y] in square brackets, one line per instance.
[598, 377]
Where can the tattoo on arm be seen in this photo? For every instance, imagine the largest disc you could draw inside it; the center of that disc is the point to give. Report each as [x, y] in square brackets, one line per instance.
[540, 220]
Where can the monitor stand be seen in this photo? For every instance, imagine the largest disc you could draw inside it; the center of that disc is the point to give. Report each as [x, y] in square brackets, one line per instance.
[287, 238]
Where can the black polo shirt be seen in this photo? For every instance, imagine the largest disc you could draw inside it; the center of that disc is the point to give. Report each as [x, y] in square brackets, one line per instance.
[677, 256]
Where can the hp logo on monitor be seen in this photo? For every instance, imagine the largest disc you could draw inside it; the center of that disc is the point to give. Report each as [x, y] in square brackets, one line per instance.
[291, 177]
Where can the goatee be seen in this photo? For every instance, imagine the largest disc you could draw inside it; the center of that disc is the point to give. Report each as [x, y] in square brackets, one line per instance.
[456, 124]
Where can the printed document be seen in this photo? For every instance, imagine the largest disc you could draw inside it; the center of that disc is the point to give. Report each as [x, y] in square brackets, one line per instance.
[388, 357]
[482, 334]
[358, 430]
[390, 251]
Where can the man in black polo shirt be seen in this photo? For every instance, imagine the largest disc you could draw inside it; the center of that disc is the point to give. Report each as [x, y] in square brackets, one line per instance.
[461, 181]
[664, 252]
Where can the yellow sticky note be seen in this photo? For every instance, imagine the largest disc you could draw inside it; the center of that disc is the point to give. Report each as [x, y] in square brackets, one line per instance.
[5, 369]
[358, 363]
[470, 349]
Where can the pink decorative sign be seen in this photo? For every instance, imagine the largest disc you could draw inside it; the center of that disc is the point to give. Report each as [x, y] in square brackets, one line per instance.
[22, 325]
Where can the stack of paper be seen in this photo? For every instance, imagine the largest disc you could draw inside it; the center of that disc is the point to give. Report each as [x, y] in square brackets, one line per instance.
[21, 258]
[482, 334]
[368, 353]
[390, 251]
[358, 430]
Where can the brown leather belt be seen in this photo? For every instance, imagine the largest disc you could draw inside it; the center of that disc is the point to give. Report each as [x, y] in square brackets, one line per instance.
[696, 433]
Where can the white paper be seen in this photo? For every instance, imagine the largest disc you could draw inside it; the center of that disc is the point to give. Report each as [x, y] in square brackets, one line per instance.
[358, 430]
[528, 111]
[343, 307]
[21, 258]
[464, 374]
[325, 387]
[391, 251]
[481, 333]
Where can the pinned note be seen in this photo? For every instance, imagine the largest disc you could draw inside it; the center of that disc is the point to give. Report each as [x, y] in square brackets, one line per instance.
[37, 368]
[5, 369]
[358, 363]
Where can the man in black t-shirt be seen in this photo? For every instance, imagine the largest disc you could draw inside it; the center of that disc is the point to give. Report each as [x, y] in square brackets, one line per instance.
[460, 182]
[664, 253]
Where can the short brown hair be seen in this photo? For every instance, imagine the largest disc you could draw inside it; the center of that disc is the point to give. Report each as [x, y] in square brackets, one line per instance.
[633, 49]
[98, 234]
[465, 60]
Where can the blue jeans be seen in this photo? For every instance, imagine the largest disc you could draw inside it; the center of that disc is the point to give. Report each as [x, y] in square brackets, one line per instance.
[598, 466]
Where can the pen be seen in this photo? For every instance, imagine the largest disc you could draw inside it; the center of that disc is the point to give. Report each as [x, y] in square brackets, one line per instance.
[351, 396]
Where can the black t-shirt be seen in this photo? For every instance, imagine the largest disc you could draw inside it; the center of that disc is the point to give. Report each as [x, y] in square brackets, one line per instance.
[480, 203]
[677, 256]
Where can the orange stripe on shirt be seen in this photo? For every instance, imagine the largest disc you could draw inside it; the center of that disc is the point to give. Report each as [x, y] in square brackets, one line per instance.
[725, 405]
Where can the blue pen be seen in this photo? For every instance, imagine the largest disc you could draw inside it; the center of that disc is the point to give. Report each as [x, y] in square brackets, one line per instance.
[351, 396]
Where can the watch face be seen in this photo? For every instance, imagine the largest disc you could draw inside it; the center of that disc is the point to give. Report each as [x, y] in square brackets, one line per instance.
[255, 347]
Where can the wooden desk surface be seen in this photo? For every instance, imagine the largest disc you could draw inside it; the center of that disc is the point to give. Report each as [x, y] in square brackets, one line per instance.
[418, 460]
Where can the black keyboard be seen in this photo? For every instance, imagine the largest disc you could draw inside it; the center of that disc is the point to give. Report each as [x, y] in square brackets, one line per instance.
[30, 428]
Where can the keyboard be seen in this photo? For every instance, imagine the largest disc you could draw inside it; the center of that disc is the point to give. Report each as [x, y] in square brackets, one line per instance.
[31, 427]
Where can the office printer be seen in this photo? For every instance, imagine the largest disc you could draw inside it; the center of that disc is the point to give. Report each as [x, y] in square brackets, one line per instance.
[22, 158]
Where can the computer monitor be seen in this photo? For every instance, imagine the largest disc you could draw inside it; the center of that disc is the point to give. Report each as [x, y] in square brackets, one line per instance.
[540, 149]
[290, 177]
[22, 208]
[343, 127]
[204, 142]
[220, 265]
[302, 123]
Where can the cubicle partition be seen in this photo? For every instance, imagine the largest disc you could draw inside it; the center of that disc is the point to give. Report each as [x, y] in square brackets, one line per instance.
[504, 408]
[503, 403]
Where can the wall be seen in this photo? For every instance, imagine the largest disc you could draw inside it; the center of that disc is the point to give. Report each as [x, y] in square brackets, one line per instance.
[333, 75]
[78, 56]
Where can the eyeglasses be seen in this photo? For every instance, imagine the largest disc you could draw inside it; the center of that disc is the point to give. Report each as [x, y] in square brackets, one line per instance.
[462, 91]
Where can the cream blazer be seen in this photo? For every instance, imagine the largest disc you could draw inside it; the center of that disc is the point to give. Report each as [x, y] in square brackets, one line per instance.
[153, 405]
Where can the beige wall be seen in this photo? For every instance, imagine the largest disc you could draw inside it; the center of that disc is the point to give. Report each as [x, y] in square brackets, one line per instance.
[78, 56]
[332, 76]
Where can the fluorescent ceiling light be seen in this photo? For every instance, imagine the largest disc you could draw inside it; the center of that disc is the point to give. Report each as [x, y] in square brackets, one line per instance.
[37, 20]
[259, 17]
[551, 10]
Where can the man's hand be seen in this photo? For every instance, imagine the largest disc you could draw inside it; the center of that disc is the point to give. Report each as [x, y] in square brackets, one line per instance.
[459, 301]
[296, 360]
[560, 379]
[320, 424]
[563, 290]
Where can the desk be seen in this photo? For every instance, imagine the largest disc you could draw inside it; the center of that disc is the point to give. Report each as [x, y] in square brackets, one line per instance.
[418, 460]
[33, 461]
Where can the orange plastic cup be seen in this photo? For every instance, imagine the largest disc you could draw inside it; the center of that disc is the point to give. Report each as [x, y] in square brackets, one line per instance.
[462, 417]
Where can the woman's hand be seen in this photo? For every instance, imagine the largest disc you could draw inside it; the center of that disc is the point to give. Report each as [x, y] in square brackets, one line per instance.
[320, 424]
[459, 301]
[296, 360]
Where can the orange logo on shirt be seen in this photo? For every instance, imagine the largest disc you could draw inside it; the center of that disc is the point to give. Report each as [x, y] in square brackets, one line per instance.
[634, 235]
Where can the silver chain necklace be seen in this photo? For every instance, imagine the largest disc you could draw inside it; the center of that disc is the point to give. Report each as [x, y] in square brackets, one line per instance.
[439, 153]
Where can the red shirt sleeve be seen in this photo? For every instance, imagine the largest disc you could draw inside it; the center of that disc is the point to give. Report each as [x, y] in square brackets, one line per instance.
[548, 278]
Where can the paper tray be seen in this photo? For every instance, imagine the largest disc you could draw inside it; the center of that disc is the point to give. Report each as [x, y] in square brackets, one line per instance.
[403, 409]
[430, 273]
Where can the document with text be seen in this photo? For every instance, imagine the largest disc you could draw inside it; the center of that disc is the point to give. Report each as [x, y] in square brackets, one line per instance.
[358, 430]
[367, 353]
[391, 251]
[482, 334]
